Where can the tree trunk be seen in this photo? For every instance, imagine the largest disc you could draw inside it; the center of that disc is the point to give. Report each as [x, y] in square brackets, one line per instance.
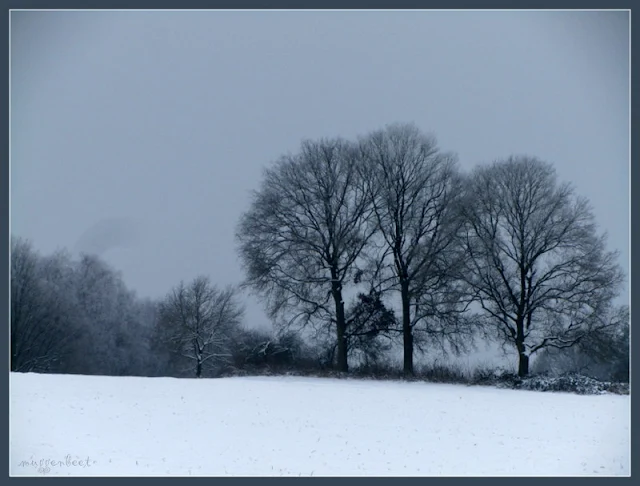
[341, 326]
[343, 363]
[523, 365]
[407, 333]
[198, 353]
[523, 358]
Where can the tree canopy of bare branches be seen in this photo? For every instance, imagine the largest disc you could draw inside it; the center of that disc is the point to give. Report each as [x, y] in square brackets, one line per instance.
[537, 266]
[198, 320]
[75, 316]
[39, 332]
[301, 239]
[415, 190]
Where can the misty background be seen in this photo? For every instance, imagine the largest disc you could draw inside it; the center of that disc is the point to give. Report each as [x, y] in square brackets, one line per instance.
[138, 136]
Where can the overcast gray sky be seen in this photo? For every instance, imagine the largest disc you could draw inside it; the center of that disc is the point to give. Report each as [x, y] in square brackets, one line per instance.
[139, 135]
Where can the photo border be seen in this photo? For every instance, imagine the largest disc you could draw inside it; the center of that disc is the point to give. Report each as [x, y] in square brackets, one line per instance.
[327, 4]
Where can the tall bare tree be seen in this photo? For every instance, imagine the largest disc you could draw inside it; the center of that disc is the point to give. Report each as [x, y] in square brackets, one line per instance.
[41, 330]
[537, 265]
[414, 190]
[303, 234]
[106, 308]
[198, 321]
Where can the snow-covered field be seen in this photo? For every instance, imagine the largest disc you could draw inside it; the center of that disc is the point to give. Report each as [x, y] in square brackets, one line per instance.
[308, 426]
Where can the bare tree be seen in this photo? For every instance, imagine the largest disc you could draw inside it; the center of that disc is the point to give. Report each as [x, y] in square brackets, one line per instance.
[76, 316]
[106, 309]
[414, 189]
[537, 265]
[40, 329]
[198, 320]
[301, 239]
[603, 354]
[59, 291]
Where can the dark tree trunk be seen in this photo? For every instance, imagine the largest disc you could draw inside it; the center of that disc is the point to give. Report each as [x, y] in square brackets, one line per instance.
[343, 363]
[198, 353]
[407, 332]
[523, 365]
[341, 326]
[523, 358]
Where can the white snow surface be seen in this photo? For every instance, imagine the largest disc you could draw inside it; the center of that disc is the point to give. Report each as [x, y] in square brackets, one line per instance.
[291, 426]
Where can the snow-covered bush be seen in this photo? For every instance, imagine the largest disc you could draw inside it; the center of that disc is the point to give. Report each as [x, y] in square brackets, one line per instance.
[571, 382]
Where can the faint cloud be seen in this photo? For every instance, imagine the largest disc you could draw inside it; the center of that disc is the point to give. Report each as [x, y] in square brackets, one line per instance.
[108, 234]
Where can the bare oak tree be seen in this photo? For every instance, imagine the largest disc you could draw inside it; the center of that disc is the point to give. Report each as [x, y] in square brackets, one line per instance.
[301, 238]
[198, 321]
[414, 190]
[537, 266]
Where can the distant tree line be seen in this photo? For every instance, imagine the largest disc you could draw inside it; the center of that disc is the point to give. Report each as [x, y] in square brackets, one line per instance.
[338, 235]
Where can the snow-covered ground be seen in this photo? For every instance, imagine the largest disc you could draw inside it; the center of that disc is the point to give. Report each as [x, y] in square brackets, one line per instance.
[308, 426]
